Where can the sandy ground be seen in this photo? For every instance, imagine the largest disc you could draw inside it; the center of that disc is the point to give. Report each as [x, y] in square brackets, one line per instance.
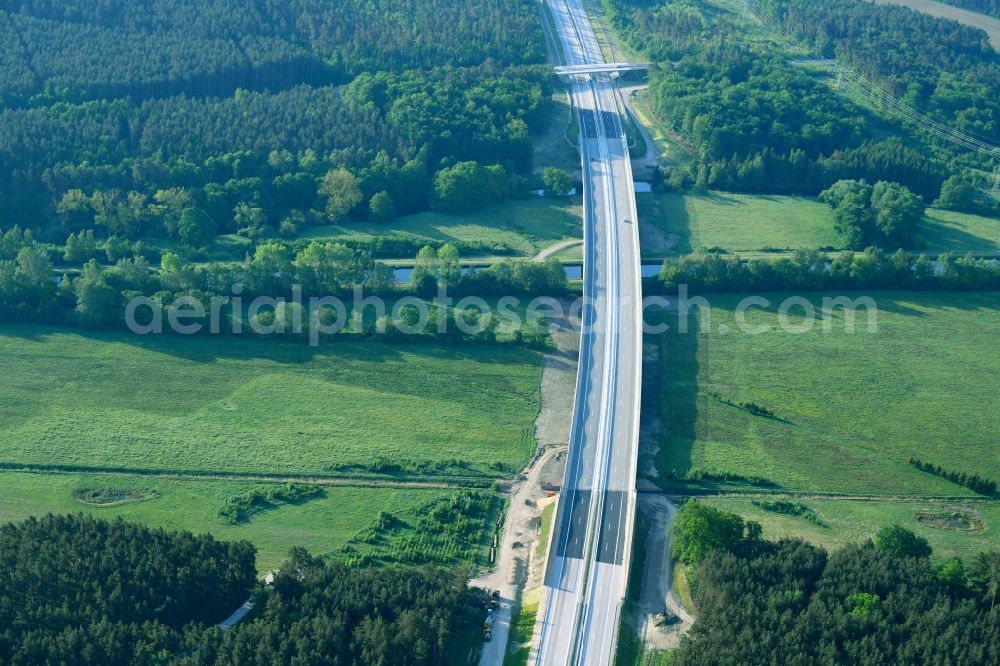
[657, 591]
[515, 557]
[559, 385]
[517, 567]
[941, 10]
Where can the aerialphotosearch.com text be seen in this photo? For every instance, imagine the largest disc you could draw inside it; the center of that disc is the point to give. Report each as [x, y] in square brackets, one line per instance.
[323, 317]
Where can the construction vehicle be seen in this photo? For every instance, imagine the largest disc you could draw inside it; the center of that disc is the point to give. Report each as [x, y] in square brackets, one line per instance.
[488, 625]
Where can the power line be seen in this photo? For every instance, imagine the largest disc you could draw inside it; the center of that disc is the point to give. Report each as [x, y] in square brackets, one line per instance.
[848, 79]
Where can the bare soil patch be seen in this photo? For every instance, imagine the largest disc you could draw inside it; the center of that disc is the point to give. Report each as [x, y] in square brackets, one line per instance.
[106, 496]
[962, 519]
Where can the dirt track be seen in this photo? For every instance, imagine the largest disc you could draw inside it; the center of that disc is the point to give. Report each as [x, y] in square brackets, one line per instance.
[557, 248]
[657, 591]
[517, 566]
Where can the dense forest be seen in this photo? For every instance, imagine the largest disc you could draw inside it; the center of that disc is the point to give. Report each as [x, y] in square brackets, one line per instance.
[757, 123]
[885, 601]
[267, 151]
[943, 67]
[78, 50]
[118, 116]
[77, 590]
[170, 140]
[317, 613]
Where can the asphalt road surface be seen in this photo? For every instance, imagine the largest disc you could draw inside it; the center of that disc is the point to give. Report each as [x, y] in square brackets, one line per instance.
[588, 567]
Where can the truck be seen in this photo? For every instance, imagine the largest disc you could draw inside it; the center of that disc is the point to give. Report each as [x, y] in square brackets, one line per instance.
[488, 625]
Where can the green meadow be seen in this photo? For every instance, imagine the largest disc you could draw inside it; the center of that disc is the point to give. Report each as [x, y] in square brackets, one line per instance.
[735, 222]
[953, 529]
[847, 410]
[526, 226]
[327, 525]
[99, 400]
[758, 225]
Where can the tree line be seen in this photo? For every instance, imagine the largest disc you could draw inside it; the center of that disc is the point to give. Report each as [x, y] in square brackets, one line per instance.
[98, 296]
[990, 7]
[811, 270]
[884, 601]
[974, 482]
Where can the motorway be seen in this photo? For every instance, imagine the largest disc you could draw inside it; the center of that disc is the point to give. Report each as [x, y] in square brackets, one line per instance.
[587, 571]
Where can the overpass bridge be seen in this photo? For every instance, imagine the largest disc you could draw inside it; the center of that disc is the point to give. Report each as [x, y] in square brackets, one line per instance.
[601, 68]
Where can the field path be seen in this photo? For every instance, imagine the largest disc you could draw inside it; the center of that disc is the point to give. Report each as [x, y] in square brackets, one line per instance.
[356, 482]
[652, 158]
[557, 248]
[657, 593]
[518, 569]
[237, 615]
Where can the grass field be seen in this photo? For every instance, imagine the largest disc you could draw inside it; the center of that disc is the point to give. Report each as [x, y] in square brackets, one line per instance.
[552, 147]
[753, 224]
[947, 231]
[850, 409]
[323, 525]
[102, 400]
[735, 222]
[526, 225]
[954, 529]
[545, 532]
[522, 629]
[523, 227]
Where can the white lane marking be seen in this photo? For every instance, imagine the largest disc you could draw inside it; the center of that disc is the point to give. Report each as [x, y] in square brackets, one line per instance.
[589, 41]
[581, 406]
